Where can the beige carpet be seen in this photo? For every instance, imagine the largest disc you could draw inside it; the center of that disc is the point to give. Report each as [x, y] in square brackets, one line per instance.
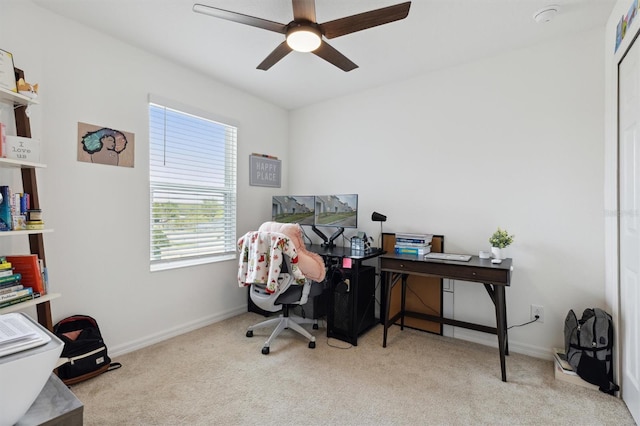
[217, 376]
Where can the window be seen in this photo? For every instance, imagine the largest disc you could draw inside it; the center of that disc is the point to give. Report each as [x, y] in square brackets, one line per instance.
[192, 168]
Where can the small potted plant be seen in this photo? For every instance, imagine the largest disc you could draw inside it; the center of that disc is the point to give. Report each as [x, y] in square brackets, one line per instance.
[499, 240]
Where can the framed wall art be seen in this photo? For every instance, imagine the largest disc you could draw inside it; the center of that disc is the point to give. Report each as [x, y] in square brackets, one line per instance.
[264, 170]
[7, 73]
[103, 145]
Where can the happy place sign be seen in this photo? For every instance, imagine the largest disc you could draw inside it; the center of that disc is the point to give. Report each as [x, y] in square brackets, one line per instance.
[264, 170]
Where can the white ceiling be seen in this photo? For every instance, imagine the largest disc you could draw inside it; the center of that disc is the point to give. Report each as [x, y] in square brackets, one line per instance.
[436, 34]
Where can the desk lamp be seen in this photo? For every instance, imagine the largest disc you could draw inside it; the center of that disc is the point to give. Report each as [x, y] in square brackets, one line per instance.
[379, 217]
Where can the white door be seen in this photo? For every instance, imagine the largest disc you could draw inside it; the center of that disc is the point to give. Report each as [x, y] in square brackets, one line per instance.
[629, 229]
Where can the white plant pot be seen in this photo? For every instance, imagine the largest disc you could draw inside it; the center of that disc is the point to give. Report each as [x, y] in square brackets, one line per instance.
[497, 253]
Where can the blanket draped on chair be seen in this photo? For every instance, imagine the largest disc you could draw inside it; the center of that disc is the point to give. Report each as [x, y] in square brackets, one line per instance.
[261, 255]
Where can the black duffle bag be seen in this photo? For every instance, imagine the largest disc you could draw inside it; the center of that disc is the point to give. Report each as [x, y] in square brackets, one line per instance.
[85, 354]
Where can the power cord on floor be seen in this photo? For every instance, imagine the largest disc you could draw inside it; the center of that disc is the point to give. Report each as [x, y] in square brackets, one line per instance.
[536, 318]
[335, 346]
[329, 339]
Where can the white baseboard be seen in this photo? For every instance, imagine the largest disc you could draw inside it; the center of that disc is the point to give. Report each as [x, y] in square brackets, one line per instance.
[173, 332]
[458, 333]
[516, 347]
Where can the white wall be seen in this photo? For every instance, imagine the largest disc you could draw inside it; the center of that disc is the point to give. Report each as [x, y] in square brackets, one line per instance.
[98, 256]
[513, 141]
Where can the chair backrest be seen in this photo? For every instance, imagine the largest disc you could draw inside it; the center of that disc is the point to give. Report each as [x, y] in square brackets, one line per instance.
[269, 263]
[311, 264]
[260, 259]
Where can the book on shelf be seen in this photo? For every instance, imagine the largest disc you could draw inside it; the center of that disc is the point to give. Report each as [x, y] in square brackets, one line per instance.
[45, 279]
[561, 359]
[10, 288]
[12, 302]
[25, 203]
[417, 251]
[6, 272]
[404, 237]
[15, 203]
[8, 279]
[5, 286]
[413, 235]
[3, 140]
[16, 294]
[5, 208]
[29, 266]
[405, 244]
[4, 265]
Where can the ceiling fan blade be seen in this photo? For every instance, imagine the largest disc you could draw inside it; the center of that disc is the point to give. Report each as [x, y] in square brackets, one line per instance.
[240, 18]
[304, 10]
[362, 21]
[278, 53]
[329, 54]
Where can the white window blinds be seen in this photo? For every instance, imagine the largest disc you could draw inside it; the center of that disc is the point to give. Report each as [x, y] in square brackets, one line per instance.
[192, 163]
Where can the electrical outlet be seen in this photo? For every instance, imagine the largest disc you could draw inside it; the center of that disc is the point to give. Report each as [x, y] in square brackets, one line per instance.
[539, 311]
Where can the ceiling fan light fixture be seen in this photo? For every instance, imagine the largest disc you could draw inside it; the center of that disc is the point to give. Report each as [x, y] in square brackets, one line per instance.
[304, 38]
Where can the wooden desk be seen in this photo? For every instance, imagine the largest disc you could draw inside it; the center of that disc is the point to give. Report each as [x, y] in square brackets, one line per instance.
[424, 293]
[495, 278]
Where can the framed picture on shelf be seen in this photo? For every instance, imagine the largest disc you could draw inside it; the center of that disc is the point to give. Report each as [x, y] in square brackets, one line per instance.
[7, 73]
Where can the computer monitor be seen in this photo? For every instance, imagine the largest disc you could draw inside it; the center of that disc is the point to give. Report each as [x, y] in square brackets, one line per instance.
[336, 210]
[340, 211]
[293, 209]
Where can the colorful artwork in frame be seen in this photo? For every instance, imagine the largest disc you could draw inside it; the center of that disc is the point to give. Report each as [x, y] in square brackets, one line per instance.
[103, 145]
[625, 22]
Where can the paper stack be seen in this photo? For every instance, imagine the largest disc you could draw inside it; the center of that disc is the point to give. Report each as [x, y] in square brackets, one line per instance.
[18, 334]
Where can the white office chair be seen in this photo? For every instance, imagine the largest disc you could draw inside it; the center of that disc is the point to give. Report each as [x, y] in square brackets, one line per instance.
[277, 282]
[284, 300]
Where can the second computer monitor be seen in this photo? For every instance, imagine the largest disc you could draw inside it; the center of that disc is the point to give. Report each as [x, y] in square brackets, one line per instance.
[336, 210]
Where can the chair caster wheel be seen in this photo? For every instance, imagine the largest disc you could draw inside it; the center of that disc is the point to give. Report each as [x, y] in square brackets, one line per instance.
[265, 350]
[249, 333]
[312, 345]
[315, 326]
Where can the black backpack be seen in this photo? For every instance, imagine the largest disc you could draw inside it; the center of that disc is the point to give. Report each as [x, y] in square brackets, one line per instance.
[84, 353]
[589, 347]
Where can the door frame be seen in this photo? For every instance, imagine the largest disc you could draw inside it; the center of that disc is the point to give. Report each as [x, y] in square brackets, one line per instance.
[615, 256]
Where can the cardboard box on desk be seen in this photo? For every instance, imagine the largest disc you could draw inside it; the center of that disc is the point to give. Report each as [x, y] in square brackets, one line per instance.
[23, 149]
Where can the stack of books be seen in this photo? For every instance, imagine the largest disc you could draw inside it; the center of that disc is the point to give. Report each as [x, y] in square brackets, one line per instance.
[564, 372]
[11, 289]
[413, 244]
[21, 279]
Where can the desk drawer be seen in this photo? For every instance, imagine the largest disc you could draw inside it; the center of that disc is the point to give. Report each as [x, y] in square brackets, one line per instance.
[458, 271]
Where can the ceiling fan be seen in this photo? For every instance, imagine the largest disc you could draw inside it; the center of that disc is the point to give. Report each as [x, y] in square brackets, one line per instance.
[304, 34]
